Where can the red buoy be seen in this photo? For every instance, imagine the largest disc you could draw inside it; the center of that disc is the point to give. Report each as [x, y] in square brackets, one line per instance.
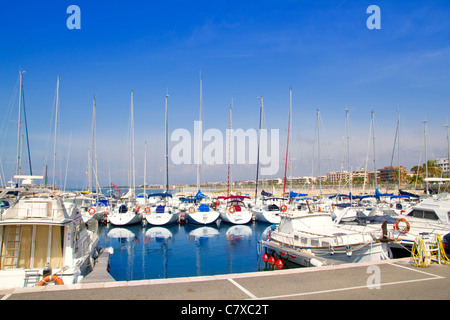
[279, 264]
[265, 257]
[271, 261]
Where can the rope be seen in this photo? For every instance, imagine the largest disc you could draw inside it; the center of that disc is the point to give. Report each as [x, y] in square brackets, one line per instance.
[422, 252]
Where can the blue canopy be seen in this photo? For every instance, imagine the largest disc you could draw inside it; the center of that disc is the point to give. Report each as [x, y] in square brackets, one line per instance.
[160, 195]
[401, 197]
[293, 194]
[266, 194]
[378, 194]
[200, 195]
[306, 199]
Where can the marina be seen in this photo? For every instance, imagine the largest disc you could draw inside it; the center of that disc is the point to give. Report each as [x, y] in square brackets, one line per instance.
[225, 152]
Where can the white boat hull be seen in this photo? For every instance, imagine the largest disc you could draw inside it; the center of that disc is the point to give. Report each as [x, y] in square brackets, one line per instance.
[266, 216]
[238, 217]
[202, 218]
[306, 257]
[162, 219]
[125, 219]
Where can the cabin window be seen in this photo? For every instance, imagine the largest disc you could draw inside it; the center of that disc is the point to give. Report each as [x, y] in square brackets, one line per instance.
[424, 214]
[46, 242]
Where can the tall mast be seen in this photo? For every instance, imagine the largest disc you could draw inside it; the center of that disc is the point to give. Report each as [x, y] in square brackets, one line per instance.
[287, 145]
[290, 134]
[426, 156]
[133, 179]
[145, 173]
[229, 150]
[259, 142]
[56, 127]
[448, 149]
[166, 178]
[200, 138]
[398, 151]
[348, 152]
[318, 144]
[93, 153]
[374, 155]
[19, 125]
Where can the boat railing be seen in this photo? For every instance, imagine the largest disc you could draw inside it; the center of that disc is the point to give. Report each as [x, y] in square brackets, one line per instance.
[24, 213]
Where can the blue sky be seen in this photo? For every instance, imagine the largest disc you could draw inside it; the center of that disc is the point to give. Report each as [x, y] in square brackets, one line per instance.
[322, 49]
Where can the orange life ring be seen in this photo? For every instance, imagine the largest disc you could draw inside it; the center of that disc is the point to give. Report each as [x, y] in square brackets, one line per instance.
[283, 208]
[231, 209]
[91, 211]
[403, 230]
[147, 209]
[402, 212]
[51, 278]
[191, 209]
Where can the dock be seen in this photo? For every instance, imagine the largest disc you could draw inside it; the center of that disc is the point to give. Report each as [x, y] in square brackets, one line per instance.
[386, 280]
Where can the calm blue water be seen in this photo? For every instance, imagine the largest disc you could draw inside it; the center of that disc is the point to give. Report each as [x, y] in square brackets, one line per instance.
[182, 250]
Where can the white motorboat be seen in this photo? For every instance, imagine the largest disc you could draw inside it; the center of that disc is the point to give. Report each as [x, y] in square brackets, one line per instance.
[426, 219]
[162, 213]
[125, 214]
[42, 240]
[89, 207]
[311, 239]
[270, 210]
[233, 210]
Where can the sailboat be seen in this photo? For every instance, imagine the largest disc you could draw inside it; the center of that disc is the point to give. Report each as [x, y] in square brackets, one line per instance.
[128, 211]
[163, 213]
[201, 211]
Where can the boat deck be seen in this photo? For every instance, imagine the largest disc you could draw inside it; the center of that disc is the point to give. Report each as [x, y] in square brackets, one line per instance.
[397, 280]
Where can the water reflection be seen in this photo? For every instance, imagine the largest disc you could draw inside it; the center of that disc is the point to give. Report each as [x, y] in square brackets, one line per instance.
[182, 250]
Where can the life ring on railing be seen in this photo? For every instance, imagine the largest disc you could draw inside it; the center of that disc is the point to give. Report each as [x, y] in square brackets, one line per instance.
[51, 278]
[402, 230]
[147, 210]
[283, 208]
[191, 209]
[231, 209]
[217, 203]
[91, 211]
[402, 212]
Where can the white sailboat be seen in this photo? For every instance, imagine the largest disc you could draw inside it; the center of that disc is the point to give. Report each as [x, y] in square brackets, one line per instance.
[163, 213]
[128, 211]
[233, 210]
[201, 211]
[42, 240]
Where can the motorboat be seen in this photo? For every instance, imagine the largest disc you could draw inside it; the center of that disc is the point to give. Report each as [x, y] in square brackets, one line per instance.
[162, 213]
[428, 218]
[43, 240]
[233, 210]
[312, 239]
[90, 207]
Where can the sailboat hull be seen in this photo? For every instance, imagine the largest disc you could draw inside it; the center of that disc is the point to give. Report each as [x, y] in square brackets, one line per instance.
[242, 217]
[202, 218]
[162, 219]
[125, 219]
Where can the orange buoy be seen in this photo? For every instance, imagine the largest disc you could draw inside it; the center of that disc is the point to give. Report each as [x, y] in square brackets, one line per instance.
[51, 278]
